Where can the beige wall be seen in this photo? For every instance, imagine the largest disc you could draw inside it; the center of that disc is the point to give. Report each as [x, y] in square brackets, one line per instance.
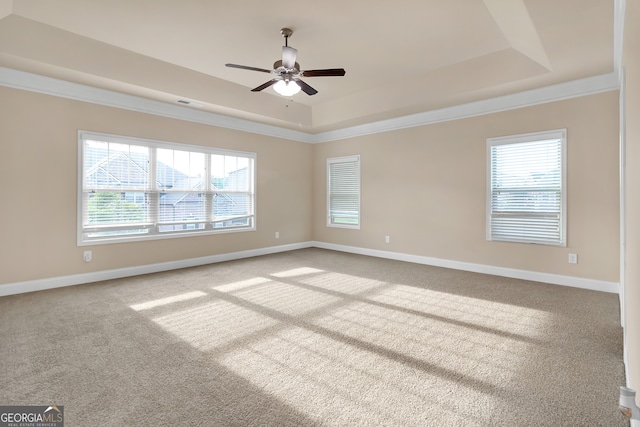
[631, 63]
[38, 172]
[425, 188]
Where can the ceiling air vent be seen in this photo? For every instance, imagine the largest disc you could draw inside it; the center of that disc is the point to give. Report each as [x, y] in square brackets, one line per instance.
[190, 103]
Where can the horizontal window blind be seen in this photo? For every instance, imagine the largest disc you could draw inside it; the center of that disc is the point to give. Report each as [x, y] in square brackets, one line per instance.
[132, 189]
[527, 184]
[343, 191]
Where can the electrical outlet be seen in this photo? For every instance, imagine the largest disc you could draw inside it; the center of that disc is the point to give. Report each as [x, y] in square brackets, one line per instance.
[387, 239]
[573, 258]
[277, 234]
[87, 256]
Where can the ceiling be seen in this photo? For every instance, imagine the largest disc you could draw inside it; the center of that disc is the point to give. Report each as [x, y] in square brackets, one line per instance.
[401, 57]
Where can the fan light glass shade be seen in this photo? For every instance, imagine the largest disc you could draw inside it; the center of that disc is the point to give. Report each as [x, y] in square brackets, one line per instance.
[286, 88]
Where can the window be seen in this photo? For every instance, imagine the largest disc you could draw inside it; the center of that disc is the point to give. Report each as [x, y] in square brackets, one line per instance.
[134, 189]
[526, 200]
[343, 192]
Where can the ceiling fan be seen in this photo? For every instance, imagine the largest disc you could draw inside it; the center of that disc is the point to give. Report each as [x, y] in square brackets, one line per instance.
[287, 81]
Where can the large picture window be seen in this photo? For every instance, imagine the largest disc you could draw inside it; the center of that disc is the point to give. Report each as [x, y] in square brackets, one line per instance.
[526, 188]
[133, 189]
[343, 192]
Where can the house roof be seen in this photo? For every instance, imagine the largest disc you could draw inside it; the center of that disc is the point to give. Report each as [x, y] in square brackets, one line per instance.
[117, 168]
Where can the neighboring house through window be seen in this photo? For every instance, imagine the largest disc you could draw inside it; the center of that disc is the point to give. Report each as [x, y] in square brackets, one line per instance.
[526, 188]
[133, 189]
[343, 192]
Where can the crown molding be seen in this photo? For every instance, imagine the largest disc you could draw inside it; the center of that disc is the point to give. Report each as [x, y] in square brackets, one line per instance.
[50, 86]
[558, 92]
[64, 89]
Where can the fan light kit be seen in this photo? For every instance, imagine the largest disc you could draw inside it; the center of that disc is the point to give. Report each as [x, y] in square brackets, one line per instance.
[285, 88]
[287, 81]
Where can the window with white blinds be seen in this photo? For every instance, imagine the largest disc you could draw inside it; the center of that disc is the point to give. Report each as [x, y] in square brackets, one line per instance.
[343, 192]
[135, 189]
[526, 188]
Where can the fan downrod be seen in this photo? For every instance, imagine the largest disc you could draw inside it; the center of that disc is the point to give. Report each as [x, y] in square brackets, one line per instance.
[286, 33]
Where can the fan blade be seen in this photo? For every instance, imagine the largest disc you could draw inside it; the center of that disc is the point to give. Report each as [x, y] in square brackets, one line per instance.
[324, 73]
[265, 85]
[244, 67]
[306, 88]
[289, 57]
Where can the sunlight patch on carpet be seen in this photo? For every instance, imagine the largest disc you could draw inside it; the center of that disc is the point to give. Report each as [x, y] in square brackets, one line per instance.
[297, 272]
[341, 384]
[242, 284]
[438, 344]
[168, 300]
[501, 317]
[317, 340]
[215, 324]
[285, 298]
[341, 282]
[396, 344]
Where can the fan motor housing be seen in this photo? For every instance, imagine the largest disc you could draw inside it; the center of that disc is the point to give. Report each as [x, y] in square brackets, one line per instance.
[280, 69]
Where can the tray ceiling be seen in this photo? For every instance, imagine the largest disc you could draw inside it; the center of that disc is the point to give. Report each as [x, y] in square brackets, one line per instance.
[402, 57]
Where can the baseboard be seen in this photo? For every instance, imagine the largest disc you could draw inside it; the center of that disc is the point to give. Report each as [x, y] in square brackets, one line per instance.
[625, 357]
[77, 279]
[555, 279]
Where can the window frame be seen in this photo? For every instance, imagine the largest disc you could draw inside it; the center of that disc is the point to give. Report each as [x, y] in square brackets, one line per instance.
[557, 134]
[153, 192]
[343, 159]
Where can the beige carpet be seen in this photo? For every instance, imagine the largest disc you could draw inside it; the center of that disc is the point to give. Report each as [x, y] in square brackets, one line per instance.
[314, 337]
